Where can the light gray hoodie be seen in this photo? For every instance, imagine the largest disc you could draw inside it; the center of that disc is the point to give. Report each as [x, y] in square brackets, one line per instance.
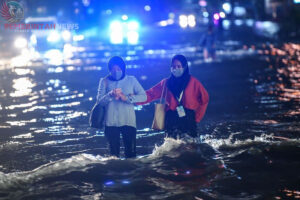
[117, 112]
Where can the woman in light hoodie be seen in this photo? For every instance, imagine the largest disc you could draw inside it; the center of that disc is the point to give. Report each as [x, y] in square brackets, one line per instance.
[118, 92]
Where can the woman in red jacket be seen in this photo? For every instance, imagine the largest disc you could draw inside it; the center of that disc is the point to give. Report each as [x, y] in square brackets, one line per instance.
[186, 99]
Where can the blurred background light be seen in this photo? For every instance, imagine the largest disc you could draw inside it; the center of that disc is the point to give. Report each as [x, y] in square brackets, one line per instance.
[216, 16]
[78, 37]
[147, 8]
[267, 26]
[116, 37]
[53, 37]
[171, 15]
[205, 14]
[54, 56]
[133, 25]
[239, 11]
[202, 3]
[124, 17]
[170, 21]
[226, 24]
[132, 37]
[227, 7]
[192, 20]
[126, 30]
[21, 43]
[86, 3]
[163, 23]
[109, 183]
[66, 35]
[125, 182]
[250, 22]
[116, 32]
[238, 22]
[33, 39]
[108, 12]
[116, 26]
[90, 11]
[183, 21]
[222, 14]
[206, 20]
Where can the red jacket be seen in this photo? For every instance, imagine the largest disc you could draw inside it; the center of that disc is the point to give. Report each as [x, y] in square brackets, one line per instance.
[195, 97]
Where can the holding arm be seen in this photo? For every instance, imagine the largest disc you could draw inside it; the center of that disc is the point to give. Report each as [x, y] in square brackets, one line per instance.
[139, 93]
[137, 96]
[155, 92]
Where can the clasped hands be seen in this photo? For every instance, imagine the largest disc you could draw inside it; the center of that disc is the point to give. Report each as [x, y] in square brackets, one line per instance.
[118, 94]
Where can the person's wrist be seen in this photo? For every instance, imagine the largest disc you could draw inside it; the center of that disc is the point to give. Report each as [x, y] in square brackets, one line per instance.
[124, 98]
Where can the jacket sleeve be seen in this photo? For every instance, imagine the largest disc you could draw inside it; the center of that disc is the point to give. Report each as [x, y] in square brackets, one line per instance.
[203, 98]
[103, 98]
[154, 93]
[139, 93]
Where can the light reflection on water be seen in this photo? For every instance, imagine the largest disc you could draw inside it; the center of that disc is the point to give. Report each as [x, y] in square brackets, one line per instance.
[65, 117]
[61, 95]
[285, 86]
[34, 108]
[21, 122]
[20, 71]
[23, 87]
[24, 105]
[49, 107]
[65, 105]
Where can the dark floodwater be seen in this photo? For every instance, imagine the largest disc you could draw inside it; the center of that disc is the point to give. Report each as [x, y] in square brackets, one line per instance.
[248, 145]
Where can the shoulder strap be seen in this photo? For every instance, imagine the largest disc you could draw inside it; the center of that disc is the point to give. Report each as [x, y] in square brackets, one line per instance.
[180, 97]
[163, 93]
[105, 83]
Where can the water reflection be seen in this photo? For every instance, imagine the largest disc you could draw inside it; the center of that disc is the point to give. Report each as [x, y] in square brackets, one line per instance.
[34, 108]
[23, 105]
[23, 87]
[21, 122]
[76, 103]
[28, 135]
[55, 70]
[56, 116]
[23, 71]
[54, 56]
[63, 118]
[283, 84]
[22, 60]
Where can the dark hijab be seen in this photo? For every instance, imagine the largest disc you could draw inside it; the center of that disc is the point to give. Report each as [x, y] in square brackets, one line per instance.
[116, 60]
[177, 84]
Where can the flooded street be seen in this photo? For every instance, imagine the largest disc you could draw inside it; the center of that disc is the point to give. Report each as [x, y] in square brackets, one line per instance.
[248, 145]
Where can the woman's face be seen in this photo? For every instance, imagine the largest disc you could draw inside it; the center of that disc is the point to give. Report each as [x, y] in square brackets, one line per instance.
[116, 72]
[176, 64]
[177, 69]
[115, 69]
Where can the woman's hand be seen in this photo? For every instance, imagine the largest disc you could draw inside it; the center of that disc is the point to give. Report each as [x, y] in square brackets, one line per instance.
[118, 94]
[113, 93]
[122, 97]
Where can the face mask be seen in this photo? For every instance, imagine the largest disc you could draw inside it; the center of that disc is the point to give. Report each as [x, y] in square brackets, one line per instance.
[177, 72]
[117, 74]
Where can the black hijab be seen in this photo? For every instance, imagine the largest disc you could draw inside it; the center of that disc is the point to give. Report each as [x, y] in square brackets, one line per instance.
[116, 60]
[177, 84]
